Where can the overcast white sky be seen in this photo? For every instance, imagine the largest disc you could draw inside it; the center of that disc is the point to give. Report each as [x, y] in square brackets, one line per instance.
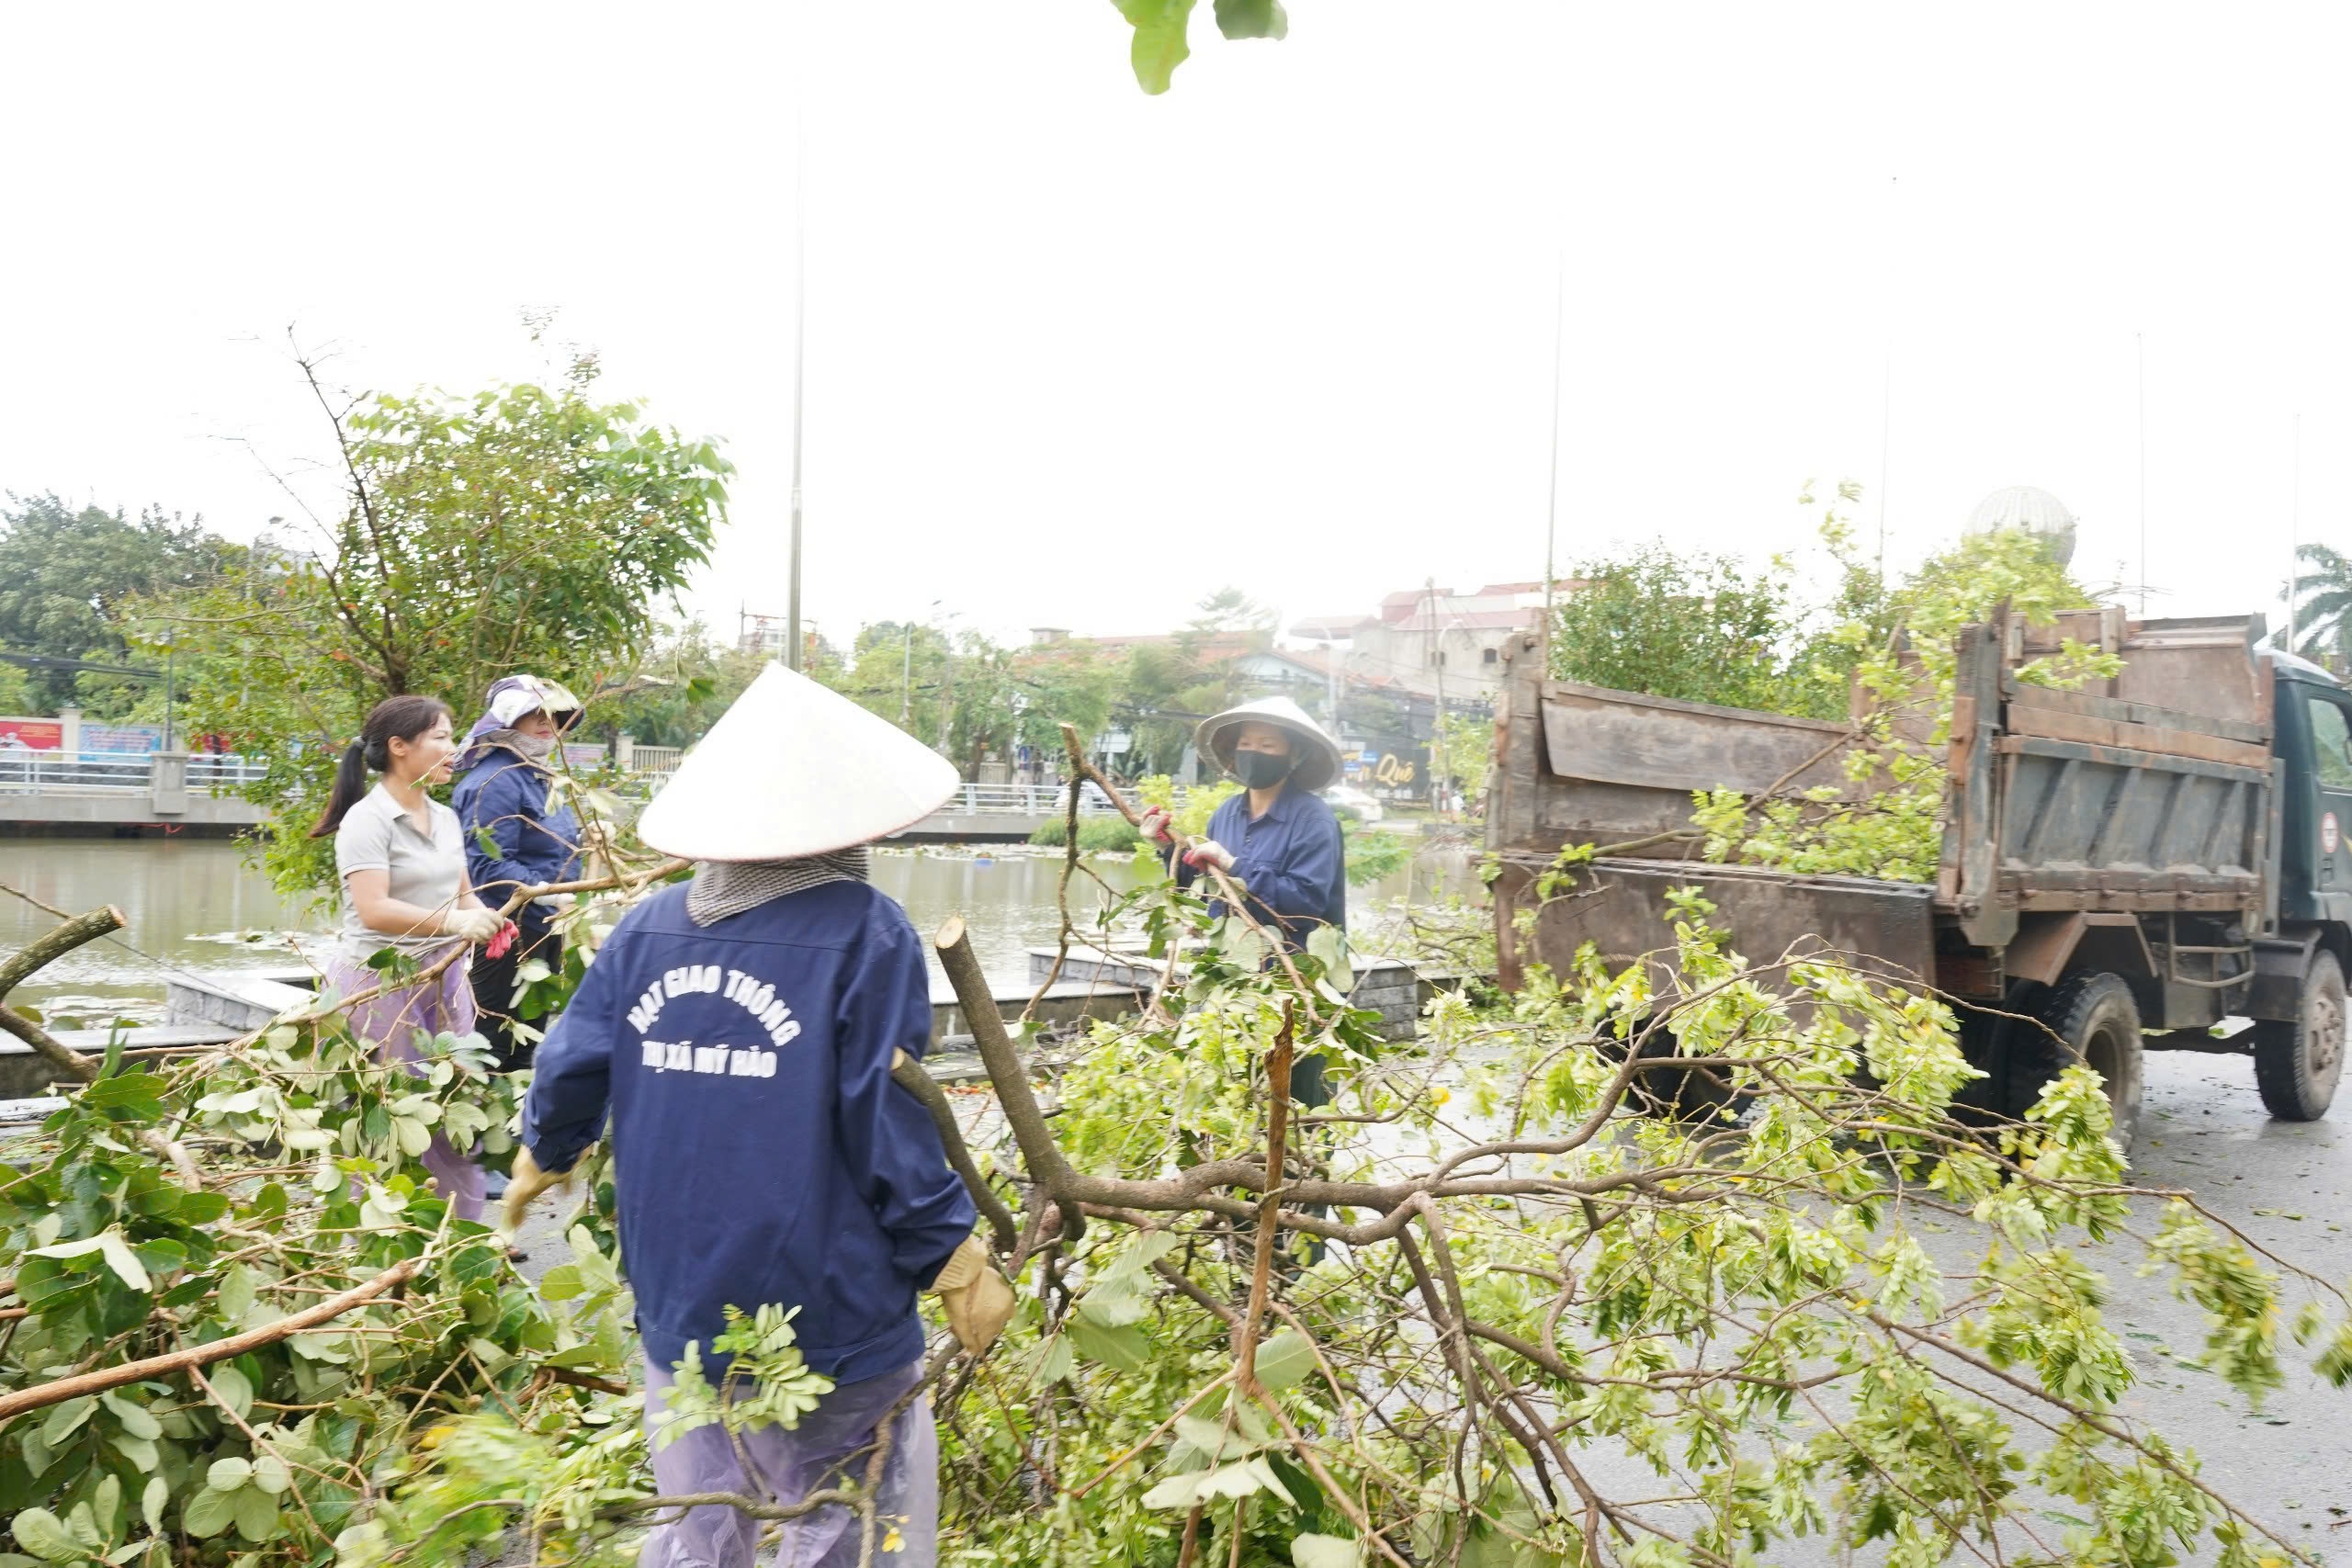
[1077, 357]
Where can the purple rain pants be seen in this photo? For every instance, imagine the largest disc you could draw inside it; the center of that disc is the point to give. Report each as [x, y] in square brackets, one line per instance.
[390, 1022]
[791, 1465]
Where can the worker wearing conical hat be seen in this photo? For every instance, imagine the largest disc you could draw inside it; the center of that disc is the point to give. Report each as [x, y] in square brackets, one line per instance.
[1278, 838]
[741, 1031]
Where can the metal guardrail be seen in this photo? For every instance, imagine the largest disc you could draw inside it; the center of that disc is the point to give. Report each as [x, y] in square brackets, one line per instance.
[96, 773]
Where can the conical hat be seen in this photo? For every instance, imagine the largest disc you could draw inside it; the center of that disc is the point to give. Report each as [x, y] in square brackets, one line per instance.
[794, 769]
[1317, 764]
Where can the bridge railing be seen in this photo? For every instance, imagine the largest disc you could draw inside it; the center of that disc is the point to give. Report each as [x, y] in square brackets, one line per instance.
[87, 772]
[1022, 800]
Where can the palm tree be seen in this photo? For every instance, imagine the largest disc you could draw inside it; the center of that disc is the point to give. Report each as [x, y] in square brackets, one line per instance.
[2324, 606]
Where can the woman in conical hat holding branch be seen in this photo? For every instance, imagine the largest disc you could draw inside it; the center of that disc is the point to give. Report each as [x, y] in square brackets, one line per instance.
[741, 1030]
[1277, 839]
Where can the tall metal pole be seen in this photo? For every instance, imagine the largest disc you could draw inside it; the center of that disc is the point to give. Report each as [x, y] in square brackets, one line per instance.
[799, 354]
[171, 651]
[2294, 533]
[2140, 342]
[1886, 443]
[1552, 503]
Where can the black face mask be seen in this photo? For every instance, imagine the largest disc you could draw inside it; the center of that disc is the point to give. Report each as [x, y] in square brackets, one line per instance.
[1261, 770]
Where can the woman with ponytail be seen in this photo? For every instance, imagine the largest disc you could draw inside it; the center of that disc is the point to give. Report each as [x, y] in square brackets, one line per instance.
[402, 860]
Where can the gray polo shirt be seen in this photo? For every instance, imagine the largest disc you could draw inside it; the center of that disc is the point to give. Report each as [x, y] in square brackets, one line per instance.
[425, 869]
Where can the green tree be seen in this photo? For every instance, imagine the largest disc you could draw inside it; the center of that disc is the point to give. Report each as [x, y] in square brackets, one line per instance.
[65, 574]
[681, 687]
[1697, 627]
[522, 528]
[2323, 598]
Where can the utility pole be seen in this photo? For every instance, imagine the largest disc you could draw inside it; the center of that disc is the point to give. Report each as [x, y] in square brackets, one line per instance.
[171, 650]
[1551, 502]
[2140, 342]
[799, 356]
[2294, 532]
[1437, 722]
[907, 683]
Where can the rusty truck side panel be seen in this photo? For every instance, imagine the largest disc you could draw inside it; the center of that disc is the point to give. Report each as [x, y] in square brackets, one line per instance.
[2081, 801]
[1582, 765]
[2151, 794]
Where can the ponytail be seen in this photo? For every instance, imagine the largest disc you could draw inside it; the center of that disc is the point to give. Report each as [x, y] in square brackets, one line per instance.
[350, 783]
[395, 717]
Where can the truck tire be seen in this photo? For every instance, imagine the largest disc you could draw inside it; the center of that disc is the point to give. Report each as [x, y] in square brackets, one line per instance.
[2297, 1061]
[2098, 1022]
[1680, 1094]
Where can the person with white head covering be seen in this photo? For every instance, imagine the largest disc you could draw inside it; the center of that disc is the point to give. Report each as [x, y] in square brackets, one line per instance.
[517, 835]
[741, 1030]
[1278, 838]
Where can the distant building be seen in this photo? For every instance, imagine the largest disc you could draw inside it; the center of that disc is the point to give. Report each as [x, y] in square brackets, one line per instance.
[1435, 636]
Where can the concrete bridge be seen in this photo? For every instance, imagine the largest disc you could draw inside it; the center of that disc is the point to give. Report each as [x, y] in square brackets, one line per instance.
[172, 791]
[168, 791]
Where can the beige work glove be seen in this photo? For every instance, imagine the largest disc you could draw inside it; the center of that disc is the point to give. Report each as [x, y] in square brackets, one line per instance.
[978, 1301]
[474, 925]
[525, 1182]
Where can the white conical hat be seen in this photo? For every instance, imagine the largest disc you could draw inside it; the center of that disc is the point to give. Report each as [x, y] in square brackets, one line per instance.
[1318, 755]
[794, 769]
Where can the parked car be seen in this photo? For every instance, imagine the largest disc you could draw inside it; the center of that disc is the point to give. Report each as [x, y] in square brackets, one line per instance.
[1349, 801]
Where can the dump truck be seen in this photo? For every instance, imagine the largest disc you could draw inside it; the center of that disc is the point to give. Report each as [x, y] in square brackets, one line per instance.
[2155, 862]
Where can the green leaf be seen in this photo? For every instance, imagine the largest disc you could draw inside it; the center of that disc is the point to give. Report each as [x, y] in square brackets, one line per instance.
[134, 1416]
[1253, 18]
[124, 1261]
[1159, 46]
[235, 1388]
[41, 1533]
[1285, 1360]
[139, 1451]
[63, 1418]
[1326, 1551]
[228, 1474]
[236, 1293]
[1329, 945]
[271, 1475]
[207, 1513]
[151, 1502]
[1125, 1349]
[256, 1514]
[560, 1283]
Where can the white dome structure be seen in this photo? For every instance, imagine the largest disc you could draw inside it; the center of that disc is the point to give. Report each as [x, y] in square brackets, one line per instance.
[2029, 507]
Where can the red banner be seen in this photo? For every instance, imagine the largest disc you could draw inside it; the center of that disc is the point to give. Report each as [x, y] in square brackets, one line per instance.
[31, 734]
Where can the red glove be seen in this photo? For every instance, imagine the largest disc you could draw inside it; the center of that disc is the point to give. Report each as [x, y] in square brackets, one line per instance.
[496, 947]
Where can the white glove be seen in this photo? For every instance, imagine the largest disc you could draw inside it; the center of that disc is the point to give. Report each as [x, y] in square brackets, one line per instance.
[1154, 825]
[474, 925]
[1209, 852]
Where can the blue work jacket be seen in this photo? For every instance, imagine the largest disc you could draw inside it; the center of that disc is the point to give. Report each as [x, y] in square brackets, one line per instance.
[507, 798]
[1292, 861]
[764, 1154]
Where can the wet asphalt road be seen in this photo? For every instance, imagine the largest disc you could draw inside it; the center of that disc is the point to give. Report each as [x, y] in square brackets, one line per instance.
[2288, 1186]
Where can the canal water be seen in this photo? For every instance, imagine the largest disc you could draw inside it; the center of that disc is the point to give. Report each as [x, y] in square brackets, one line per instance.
[196, 907]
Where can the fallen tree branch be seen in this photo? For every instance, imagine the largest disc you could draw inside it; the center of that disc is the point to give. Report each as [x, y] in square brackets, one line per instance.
[59, 1390]
[33, 956]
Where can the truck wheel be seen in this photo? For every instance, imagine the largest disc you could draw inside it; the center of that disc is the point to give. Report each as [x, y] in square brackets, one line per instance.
[1680, 1094]
[2098, 1022]
[2298, 1060]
